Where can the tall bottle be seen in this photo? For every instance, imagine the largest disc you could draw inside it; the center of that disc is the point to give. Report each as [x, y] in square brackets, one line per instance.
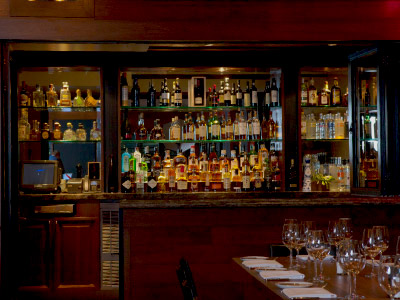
[303, 93]
[135, 92]
[293, 177]
[267, 92]
[367, 97]
[274, 93]
[52, 97]
[227, 93]
[214, 96]
[65, 95]
[141, 131]
[239, 95]
[165, 94]
[312, 94]
[215, 128]
[242, 126]
[367, 125]
[151, 95]
[256, 126]
[233, 95]
[38, 97]
[178, 93]
[325, 95]
[125, 101]
[336, 93]
[175, 130]
[247, 95]
[249, 126]
[246, 174]
[202, 128]
[221, 94]
[254, 94]
[229, 135]
[190, 128]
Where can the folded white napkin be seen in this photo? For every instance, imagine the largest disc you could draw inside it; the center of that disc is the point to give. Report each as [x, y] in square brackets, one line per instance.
[308, 292]
[267, 275]
[305, 257]
[254, 263]
[253, 257]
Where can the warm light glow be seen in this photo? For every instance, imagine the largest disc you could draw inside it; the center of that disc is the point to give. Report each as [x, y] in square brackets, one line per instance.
[332, 45]
[222, 69]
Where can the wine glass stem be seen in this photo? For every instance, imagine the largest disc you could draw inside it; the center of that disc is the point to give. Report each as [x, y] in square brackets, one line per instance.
[315, 268]
[354, 284]
[321, 277]
[373, 266]
[350, 287]
[291, 258]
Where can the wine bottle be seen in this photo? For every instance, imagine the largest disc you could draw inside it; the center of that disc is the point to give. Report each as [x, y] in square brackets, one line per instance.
[151, 95]
[135, 92]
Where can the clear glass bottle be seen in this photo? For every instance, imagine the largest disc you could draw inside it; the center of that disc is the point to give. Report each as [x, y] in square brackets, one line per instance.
[80, 133]
[236, 127]
[89, 100]
[57, 133]
[52, 97]
[215, 128]
[254, 94]
[221, 94]
[175, 130]
[95, 133]
[65, 96]
[303, 93]
[38, 97]
[78, 100]
[202, 129]
[242, 126]
[312, 94]
[35, 131]
[69, 133]
[135, 92]
[339, 127]
[229, 128]
[233, 95]
[256, 126]
[223, 127]
[157, 132]
[141, 131]
[190, 128]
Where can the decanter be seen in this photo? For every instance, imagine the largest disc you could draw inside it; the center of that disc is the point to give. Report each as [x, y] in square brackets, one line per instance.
[78, 100]
[80, 133]
[69, 134]
[90, 101]
[95, 133]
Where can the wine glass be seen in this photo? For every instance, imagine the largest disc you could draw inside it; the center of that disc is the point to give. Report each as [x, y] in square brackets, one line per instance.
[334, 234]
[352, 259]
[318, 248]
[389, 274]
[290, 234]
[371, 248]
[345, 228]
[381, 234]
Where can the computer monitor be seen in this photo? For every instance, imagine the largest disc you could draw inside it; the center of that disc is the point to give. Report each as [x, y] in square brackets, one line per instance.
[39, 176]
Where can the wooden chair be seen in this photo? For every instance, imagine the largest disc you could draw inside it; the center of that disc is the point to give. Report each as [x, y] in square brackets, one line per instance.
[186, 280]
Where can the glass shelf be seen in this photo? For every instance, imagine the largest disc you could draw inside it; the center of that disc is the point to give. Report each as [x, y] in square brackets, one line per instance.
[197, 141]
[323, 107]
[325, 140]
[61, 142]
[187, 108]
[369, 140]
[62, 109]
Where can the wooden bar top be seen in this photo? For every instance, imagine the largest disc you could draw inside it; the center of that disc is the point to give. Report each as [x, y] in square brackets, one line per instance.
[221, 199]
[337, 284]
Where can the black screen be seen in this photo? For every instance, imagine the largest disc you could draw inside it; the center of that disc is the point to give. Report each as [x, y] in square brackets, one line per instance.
[38, 174]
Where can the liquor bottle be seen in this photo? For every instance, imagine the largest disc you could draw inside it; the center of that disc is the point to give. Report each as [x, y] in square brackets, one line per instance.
[196, 127]
[80, 133]
[312, 94]
[125, 101]
[249, 126]
[293, 177]
[213, 154]
[57, 133]
[140, 179]
[69, 133]
[175, 130]
[126, 156]
[233, 95]
[112, 180]
[242, 156]
[303, 93]
[268, 176]
[184, 127]
[223, 127]
[162, 96]
[253, 155]
[157, 132]
[242, 126]
[227, 93]
[274, 94]
[152, 183]
[223, 160]
[229, 129]
[267, 92]
[256, 178]
[367, 125]
[190, 128]
[263, 157]
[215, 128]
[205, 176]
[65, 95]
[156, 163]
[165, 94]
[127, 129]
[345, 100]
[226, 177]
[346, 125]
[52, 97]
[78, 100]
[336, 93]
[367, 97]
[147, 157]
[194, 179]
[38, 97]
[24, 127]
[135, 92]
[89, 100]
[214, 96]
[239, 95]
[254, 94]
[137, 159]
[126, 185]
[339, 127]
[245, 174]
[236, 177]
[209, 122]
[271, 126]
[193, 163]
[276, 178]
[247, 95]
[202, 128]
[199, 94]
[264, 128]
[221, 93]
[303, 125]
[178, 94]
[236, 127]
[273, 157]
[141, 131]
[172, 100]
[167, 162]
[325, 95]
[181, 180]
[23, 96]
[216, 175]
[171, 175]
[34, 134]
[151, 95]
[162, 182]
[256, 126]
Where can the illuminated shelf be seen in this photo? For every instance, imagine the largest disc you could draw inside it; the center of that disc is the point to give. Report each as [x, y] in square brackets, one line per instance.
[63, 109]
[324, 107]
[369, 140]
[325, 140]
[61, 142]
[187, 108]
[196, 141]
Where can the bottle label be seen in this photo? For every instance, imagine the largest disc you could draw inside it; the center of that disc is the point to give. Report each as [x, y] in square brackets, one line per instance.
[267, 98]
[165, 97]
[202, 132]
[216, 186]
[253, 159]
[256, 128]
[125, 163]
[23, 100]
[152, 183]
[233, 99]
[242, 128]
[274, 96]
[181, 185]
[312, 97]
[246, 181]
[45, 135]
[127, 184]
[124, 96]
[176, 133]
[190, 133]
[194, 185]
[207, 182]
[304, 97]
[139, 181]
[228, 130]
[178, 97]
[236, 130]
[274, 159]
[171, 181]
[254, 97]
[223, 131]
[336, 98]
[247, 99]
[324, 100]
[215, 130]
[227, 183]
[303, 128]
[257, 183]
[239, 96]
[221, 99]
[227, 96]
[197, 101]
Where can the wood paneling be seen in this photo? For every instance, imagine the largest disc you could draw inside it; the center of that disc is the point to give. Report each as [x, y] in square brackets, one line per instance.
[69, 9]
[155, 240]
[4, 9]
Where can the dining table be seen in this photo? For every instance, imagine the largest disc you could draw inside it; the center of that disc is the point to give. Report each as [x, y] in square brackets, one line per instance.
[335, 283]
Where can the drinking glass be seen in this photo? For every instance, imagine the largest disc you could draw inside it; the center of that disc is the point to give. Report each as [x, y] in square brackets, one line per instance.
[318, 248]
[371, 248]
[290, 234]
[345, 228]
[381, 234]
[334, 234]
[352, 259]
[389, 274]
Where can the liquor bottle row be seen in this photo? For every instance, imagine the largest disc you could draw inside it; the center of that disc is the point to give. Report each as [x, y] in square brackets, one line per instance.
[227, 95]
[26, 132]
[310, 96]
[332, 174]
[328, 126]
[369, 126]
[368, 167]
[50, 99]
[257, 170]
[217, 127]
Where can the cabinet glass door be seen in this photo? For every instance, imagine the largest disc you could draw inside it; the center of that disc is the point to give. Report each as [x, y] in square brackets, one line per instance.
[223, 112]
[59, 118]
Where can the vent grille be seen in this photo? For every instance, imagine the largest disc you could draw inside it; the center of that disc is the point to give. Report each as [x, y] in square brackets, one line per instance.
[109, 246]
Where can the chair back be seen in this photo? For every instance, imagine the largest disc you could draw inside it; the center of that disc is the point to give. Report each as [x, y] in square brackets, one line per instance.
[186, 280]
